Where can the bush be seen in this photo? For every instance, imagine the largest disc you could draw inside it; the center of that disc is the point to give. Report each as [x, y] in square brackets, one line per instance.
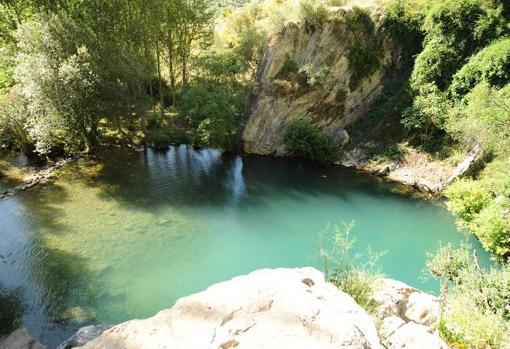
[483, 118]
[304, 139]
[491, 65]
[160, 137]
[492, 227]
[404, 23]
[314, 75]
[475, 304]
[466, 199]
[313, 13]
[213, 109]
[344, 270]
[455, 29]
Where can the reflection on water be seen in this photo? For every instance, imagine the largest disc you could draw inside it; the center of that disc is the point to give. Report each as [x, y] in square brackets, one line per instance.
[126, 237]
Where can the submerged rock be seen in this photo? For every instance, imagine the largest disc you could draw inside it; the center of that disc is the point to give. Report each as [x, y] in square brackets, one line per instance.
[78, 315]
[21, 339]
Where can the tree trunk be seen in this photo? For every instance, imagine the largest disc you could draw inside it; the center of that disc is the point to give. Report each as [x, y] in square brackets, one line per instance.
[171, 66]
[161, 109]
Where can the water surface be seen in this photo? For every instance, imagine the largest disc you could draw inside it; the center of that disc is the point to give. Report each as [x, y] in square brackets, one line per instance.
[126, 237]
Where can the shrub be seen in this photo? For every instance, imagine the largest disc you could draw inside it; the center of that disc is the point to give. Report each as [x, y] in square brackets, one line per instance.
[304, 139]
[160, 137]
[344, 269]
[404, 23]
[483, 118]
[448, 262]
[313, 13]
[491, 65]
[492, 227]
[466, 199]
[314, 75]
[474, 301]
[214, 110]
[364, 51]
[455, 29]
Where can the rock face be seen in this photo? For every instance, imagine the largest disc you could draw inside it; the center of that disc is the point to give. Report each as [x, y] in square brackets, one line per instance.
[406, 317]
[330, 74]
[278, 308]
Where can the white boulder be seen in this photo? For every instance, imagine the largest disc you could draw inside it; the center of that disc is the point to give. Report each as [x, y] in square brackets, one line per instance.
[277, 308]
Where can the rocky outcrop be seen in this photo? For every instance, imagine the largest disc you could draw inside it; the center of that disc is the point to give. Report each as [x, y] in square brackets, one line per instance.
[83, 336]
[279, 308]
[329, 74]
[405, 316]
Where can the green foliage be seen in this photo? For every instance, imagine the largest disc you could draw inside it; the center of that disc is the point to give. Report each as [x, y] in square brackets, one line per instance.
[13, 118]
[483, 119]
[363, 61]
[492, 227]
[304, 139]
[435, 65]
[491, 65]
[364, 51]
[227, 65]
[214, 109]
[345, 270]
[475, 308]
[160, 137]
[314, 75]
[313, 13]
[60, 84]
[403, 22]
[396, 152]
[466, 199]
[449, 262]
[427, 114]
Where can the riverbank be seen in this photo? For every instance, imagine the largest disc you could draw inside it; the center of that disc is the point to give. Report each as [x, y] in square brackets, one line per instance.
[29, 176]
[414, 169]
[414, 177]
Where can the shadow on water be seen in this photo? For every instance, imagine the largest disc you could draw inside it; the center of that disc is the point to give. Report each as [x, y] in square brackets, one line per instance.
[11, 309]
[46, 289]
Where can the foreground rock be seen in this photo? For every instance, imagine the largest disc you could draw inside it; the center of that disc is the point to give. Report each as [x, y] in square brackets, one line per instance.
[280, 308]
[406, 317]
[21, 339]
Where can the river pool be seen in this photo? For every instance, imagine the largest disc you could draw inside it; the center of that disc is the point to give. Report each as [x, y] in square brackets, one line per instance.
[127, 236]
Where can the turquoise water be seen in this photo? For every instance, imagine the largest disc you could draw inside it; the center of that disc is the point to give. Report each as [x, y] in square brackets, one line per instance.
[125, 237]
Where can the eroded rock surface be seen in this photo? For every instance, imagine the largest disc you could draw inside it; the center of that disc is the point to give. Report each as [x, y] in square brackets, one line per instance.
[277, 308]
[406, 317]
[340, 91]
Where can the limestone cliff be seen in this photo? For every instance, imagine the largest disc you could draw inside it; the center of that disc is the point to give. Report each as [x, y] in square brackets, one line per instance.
[329, 73]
